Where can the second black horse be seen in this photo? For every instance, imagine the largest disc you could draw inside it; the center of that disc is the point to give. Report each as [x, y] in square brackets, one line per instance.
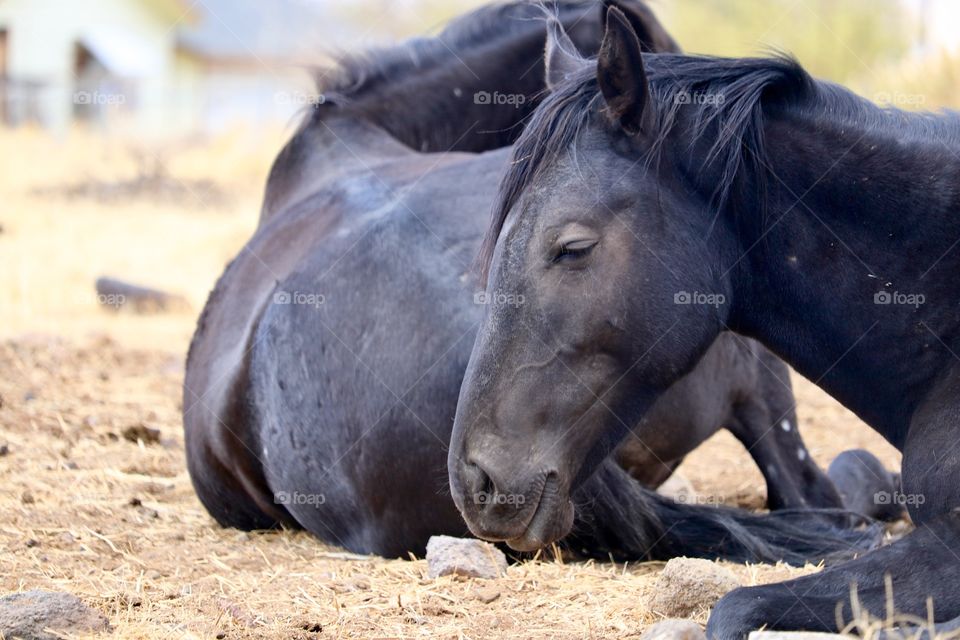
[322, 381]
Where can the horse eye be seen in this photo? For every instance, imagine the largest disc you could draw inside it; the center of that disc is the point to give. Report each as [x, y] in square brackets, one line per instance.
[574, 249]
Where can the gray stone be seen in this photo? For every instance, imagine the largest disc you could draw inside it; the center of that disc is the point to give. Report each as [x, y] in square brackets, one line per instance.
[39, 615]
[679, 489]
[688, 586]
[674, 629]
[465, 557]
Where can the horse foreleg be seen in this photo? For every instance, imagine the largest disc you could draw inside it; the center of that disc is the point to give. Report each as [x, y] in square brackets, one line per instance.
[921, 566]
[767, 426]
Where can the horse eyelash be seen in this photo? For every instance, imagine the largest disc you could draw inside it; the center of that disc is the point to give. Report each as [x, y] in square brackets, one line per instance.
[565, 251]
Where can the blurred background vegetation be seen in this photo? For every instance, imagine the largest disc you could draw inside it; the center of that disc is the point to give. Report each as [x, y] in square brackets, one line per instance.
[167, 68]
[883, 49]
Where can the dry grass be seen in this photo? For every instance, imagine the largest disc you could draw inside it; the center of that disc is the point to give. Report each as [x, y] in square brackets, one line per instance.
[117, 522]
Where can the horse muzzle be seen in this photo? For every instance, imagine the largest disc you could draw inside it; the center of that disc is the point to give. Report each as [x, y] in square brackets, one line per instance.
[528, 514]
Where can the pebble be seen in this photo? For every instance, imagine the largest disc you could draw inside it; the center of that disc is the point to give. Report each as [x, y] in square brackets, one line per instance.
[689, 586]
[678, 489]
[141, 432]
[464, 557]
[47, 615]
[674, 629]
[487, 595]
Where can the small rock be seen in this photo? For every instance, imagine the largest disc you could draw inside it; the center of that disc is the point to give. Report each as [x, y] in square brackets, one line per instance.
[237, 612]
[142, 509]
[678, 489]
[464, 557]
[31, 543]
[4, 450]
[674, 629]
[141, 432]
[27, 498]
[360, 584]
[47, 615]
[687, 586]
[128, 599]
[488, 595]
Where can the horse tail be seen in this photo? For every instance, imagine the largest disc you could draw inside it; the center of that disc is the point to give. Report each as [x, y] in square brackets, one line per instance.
[620, 519]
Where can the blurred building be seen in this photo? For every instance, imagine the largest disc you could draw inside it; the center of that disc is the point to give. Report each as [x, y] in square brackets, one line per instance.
[169, 67]
[160, 67]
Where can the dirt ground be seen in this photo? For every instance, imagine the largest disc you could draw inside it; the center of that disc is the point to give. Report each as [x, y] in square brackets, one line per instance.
[97, 500]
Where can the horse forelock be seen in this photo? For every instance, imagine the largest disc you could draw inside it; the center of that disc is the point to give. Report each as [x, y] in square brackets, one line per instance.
[550, 131]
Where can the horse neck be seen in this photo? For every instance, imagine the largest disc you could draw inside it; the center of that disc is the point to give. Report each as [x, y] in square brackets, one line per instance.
[473, 101]
[857, 210]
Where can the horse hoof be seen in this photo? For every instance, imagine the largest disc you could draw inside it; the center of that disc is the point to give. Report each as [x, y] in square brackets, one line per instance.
[735, 615]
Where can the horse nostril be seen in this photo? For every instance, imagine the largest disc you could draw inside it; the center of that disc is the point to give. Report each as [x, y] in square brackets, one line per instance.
[478, 483]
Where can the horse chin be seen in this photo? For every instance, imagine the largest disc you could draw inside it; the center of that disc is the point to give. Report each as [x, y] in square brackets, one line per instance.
[552, 521]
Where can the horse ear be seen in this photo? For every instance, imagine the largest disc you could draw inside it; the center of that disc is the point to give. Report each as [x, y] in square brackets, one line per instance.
[560, 57]
[621, 77]
[651, 34]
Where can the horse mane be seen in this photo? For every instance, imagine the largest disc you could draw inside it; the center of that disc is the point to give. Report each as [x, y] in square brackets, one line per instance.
[748, 87]
[355, 74]
[738, 117]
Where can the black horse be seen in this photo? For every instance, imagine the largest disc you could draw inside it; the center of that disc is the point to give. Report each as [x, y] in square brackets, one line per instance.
[322, 381]
[829, 226]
